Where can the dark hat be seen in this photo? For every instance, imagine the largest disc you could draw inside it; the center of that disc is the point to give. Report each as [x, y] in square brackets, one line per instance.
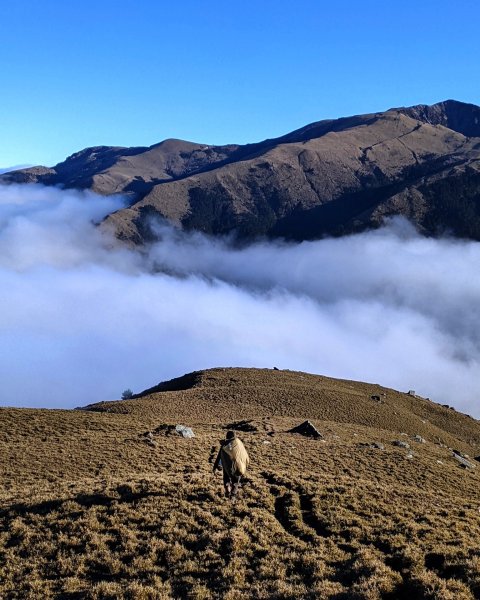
[230, 435]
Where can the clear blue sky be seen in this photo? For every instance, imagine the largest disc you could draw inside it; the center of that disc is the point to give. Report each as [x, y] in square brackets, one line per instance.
[124, 72]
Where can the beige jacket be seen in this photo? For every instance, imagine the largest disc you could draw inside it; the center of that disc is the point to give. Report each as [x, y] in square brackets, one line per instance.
[234, 457]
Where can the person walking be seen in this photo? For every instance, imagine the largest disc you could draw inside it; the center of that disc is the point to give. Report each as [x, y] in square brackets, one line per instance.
[234, 461]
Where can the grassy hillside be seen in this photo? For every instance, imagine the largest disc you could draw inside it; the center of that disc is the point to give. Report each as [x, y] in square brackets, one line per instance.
[102, 503]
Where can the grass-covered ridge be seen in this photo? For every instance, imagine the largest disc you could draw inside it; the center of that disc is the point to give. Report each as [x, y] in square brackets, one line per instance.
[92, 508]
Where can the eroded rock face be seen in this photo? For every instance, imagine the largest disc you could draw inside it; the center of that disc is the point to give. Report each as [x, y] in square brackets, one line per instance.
[329, 178]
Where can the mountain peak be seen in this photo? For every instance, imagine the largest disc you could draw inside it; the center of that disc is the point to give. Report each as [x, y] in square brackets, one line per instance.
[458, 116]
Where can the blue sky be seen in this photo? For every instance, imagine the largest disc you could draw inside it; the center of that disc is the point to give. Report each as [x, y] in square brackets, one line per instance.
[119, 72]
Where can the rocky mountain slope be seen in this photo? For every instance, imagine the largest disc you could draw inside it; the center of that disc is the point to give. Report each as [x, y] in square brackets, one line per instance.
[331, 177]
[108, 502]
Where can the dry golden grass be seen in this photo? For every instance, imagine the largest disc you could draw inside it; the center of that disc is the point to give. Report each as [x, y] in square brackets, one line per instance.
[90, 509]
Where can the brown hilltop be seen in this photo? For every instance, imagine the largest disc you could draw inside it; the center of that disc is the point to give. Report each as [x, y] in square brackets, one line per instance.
[103, 503]
[224, 394]
[330, 177]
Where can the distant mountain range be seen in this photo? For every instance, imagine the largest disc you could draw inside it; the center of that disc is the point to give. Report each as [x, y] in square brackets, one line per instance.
[332, 177]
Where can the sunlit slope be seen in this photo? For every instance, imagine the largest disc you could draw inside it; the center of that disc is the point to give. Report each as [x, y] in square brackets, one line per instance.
[222, 394]
[92, 506]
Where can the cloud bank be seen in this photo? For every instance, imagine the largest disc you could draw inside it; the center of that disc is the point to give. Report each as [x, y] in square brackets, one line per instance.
[81, 318]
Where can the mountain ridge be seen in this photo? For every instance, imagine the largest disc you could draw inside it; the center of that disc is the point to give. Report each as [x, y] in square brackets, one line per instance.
[331, 177]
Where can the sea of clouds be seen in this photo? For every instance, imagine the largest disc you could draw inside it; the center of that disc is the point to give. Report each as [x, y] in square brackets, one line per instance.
[82, 318]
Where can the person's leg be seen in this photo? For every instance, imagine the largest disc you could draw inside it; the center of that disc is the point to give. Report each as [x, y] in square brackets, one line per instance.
[227, 483]
[236, 484]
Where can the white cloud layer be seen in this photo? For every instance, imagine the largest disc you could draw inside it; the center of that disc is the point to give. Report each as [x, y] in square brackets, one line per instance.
[81, 319]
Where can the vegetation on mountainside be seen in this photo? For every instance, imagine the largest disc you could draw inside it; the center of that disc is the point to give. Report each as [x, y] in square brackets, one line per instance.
[332, 177]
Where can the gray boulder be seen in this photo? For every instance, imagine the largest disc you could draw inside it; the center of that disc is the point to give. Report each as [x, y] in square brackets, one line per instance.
[184, 431]
[466, 464]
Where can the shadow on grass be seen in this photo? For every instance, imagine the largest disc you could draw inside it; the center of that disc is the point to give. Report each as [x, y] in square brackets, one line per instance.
[125, 494]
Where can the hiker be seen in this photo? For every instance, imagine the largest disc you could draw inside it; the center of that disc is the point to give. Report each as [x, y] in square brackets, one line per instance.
[234, 461]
